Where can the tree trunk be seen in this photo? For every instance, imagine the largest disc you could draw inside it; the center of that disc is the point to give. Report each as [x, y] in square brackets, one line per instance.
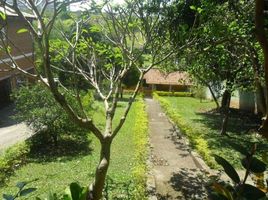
[225, 105]
[213, 96]
[96, 188]
[260, 96]
[226, 111]
[261, 37]
[225, 98]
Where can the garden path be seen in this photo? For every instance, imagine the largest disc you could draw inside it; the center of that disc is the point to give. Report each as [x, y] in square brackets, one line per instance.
[176, 173]
[11, 131]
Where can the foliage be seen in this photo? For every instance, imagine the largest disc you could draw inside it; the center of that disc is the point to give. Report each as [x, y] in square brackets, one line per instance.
[141, 151]
[240, 189]
[43, 114]
[73, 192]
[199, 92]
[22, 191]
[12, 159]
[174, 94]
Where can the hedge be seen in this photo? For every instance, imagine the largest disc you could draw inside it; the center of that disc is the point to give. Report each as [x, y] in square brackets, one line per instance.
[174, 94]
[141, 150]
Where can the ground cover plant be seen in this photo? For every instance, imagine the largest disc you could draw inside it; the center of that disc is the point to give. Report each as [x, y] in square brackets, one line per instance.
[53, 171]
[202, 128]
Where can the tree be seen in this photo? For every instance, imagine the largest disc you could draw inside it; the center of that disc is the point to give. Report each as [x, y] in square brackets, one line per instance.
[261, 35]
[45, 115]
[129, 31]
[226, 50]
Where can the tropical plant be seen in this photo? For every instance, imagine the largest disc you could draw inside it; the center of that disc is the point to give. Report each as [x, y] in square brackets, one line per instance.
[240, 189]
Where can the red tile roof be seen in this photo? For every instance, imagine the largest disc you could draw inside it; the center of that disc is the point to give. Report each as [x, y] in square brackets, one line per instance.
[155, 76]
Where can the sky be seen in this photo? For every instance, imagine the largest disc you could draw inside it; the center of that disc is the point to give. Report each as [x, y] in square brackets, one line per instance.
[84, 5]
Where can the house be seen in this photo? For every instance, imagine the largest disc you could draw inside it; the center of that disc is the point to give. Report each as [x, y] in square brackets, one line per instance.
[177, 81]
[21, 49]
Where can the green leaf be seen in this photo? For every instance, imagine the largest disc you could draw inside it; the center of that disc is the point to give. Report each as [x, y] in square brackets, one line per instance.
[256, 165]
[251, 192]
[192, 7]
[220, 189]
[8, 197]
[20, 185]
[228, 168]
[75, 191]
[3, 16]
[22, 30]
[27, 191]
[84, 194]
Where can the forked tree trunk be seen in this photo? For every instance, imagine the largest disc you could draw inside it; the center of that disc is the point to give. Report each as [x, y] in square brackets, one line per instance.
[261, 37]
[96, 188]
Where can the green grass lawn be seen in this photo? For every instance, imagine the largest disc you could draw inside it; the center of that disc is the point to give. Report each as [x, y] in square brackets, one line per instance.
[203, 128]
[54, 173]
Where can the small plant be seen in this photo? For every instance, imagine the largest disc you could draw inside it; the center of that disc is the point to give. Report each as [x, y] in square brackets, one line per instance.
[22, 191]
[73, 192]
[240, 189]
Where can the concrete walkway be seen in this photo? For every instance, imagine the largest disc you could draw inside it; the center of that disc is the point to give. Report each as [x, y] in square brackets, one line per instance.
[177, 174]
[11, 132]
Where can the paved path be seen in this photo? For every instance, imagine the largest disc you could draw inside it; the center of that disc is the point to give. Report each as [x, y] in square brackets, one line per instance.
[11, 132]
[176, 173]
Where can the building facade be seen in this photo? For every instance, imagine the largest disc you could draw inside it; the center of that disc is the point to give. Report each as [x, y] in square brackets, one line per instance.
[21, 49]
[155, 80]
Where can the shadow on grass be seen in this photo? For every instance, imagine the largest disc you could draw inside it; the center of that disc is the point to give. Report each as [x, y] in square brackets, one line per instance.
[69, 147]
[241, 129]
[40, 149]
[240, 122]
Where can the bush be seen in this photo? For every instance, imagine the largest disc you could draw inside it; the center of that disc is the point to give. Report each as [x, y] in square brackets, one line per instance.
[174, 94]
[199, 92]
[42, 113]
[11, 159]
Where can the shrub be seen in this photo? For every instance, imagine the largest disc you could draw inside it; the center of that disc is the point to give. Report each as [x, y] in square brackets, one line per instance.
[199, 92]
[174, 94]
[11, 159]
[42, 113]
